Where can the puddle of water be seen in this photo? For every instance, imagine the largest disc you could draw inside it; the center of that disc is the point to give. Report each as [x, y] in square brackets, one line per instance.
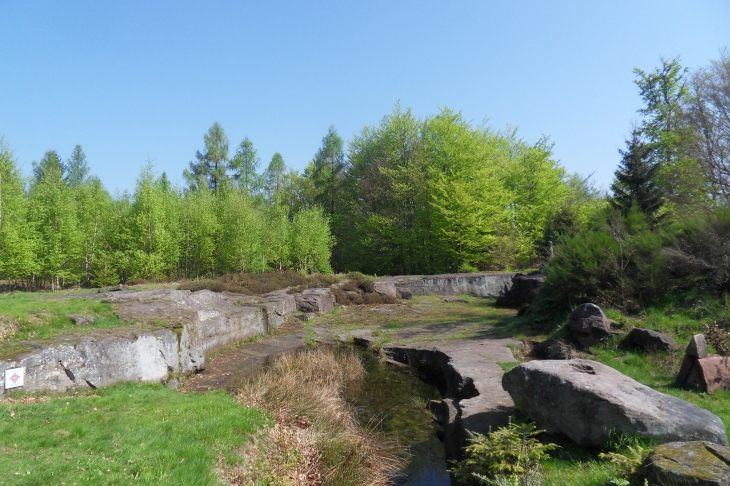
[394, 399]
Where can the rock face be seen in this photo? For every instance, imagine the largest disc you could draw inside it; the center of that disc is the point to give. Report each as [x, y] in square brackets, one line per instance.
[648, 340]
[587, 401]
[525, 287]
[488, 284]
[315, 300]
[200, 321]
[697, 347]
[688, 463]
[588, 324]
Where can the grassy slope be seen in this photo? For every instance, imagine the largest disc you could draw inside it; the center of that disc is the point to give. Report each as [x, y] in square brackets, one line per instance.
[125, 434]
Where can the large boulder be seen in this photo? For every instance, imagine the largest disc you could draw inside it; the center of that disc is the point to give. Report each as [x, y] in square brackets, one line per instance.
[524, 289]
[315, 300]
[688, 463]
[386, 288]
[588, 324]
[588, 401]
[709, 374]
[648, 340]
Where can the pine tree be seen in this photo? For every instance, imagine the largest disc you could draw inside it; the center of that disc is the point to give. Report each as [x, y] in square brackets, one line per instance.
[50, 163]
[77, 167]
[636, 180]
[275, 176]
[244, 165]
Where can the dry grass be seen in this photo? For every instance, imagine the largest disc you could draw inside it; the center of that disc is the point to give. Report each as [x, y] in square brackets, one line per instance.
[8, 327]
[260, 283]
[305, 393]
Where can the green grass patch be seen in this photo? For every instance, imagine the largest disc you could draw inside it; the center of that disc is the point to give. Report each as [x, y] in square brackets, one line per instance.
[127, 433]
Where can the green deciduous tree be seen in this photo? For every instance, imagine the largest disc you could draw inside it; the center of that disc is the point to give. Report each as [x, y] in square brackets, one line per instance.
[311, 241]
[244, 166]
[16, 240]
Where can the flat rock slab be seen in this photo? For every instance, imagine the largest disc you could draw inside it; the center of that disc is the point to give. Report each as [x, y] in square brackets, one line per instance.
[588, 401]
[688, 463]
[231, 367]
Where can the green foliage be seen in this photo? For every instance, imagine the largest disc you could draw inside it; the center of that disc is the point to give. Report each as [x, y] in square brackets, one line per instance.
[509, 455]
[636, 180]
[211, 166]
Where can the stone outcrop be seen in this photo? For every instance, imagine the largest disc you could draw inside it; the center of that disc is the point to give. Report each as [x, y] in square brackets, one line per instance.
[196, 323]
[524, 289]
[696, 463]
[487, 284]
[315, 300]
[588, 325]
[701, 370]
[588, 401]
[648, 340]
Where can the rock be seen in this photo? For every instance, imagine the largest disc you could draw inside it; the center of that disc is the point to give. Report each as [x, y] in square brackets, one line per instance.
[386, 288]
[588, 401]
[455, 300]
[315, 300]
[697, 346]
[523, 291]
[403, 293]
[173, 384]
[80, 320]
[588, 324]
[308, 316]
[552, 349]
[709, 374]
[492, 284]
[352, 295]
[648, 340]
[696, 463]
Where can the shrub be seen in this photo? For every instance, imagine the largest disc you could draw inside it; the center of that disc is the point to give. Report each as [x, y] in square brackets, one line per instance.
[509, 455]
[372, 299]
[718, 338]
[261, 283]
[356, 299]
[340, 296]
[389, 299]
[467, 268]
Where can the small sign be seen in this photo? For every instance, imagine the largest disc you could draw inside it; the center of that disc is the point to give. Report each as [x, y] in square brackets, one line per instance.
[14, 378]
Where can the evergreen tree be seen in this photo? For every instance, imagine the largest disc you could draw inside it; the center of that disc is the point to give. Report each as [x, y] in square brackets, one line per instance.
[50, 162]
[636, 180]
[212, 164]
[77, 167]
[244, 165]
[275, 176]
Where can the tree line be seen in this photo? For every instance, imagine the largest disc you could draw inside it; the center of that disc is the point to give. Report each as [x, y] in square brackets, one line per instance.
[664, 231]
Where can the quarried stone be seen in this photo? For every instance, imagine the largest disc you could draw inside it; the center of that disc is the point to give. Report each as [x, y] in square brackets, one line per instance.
[588, 401]
[404, 293]
[697, 346]
[710, 374]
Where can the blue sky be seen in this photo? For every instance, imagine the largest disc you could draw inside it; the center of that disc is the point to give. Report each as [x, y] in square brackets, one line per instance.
[136, 79]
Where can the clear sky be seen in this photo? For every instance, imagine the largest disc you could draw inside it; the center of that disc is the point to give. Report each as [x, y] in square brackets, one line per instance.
[136, 79]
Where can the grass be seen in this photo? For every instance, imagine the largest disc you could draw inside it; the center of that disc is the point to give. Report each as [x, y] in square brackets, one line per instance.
[26, 315]
[316, 434]
[124, 434]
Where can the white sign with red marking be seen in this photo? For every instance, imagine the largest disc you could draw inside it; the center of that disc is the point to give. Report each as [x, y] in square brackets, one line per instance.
[14, 378]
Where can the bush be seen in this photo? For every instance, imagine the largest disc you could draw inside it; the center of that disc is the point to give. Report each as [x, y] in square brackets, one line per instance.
[340, 296]
[362, 283]
[372, 299]
[389, 299]
[509, 455]
[467, 268]
[261, 283]
[617, 261]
